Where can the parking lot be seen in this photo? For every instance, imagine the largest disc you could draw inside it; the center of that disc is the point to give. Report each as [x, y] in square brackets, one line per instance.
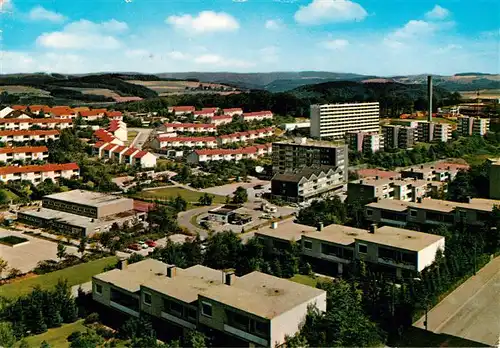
[25, 257]
[228, 190]
[252, 209]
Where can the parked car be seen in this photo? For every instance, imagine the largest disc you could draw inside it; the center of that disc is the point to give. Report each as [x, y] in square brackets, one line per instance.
[151, 243]
[134, 246]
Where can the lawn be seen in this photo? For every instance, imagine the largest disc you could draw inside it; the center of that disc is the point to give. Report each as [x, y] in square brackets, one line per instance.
[56, 337]
[12, 240]
[78, 274]
[131, 136]
[308, 280]
[169, 192]
[10, 195]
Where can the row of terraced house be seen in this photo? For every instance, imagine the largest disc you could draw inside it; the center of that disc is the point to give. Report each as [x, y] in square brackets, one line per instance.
[221, 116]
[58, 112]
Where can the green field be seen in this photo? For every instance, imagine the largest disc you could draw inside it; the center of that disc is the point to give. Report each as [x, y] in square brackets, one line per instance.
[10, 195]
[308, 280]
[172, 192]
[78, 274]
[57, 337]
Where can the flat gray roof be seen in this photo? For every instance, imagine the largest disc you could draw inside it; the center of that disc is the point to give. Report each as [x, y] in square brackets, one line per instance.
[75, 220]
[338, 234]
[287, 230]
[89, 198]
[389, 204]
[400, 238]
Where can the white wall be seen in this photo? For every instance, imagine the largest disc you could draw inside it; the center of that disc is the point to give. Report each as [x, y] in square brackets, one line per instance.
[427, 255]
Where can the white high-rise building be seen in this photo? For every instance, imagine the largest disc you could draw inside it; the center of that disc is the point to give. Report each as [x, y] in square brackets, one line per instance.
[335, 120]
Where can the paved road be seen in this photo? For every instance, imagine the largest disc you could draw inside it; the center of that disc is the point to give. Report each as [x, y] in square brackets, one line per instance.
[184, 219]
[141, 137]
[472, 311]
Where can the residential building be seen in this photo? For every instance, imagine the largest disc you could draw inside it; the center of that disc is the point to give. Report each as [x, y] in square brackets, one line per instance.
[245, 136]
[307, 183]
[256, 309]
[329, 249]
[296, 125]
[102, 135]
[23, 153]
[430, 211]
[257, 116]
[232, 111]
[39, 173]
[290, 156]
[373, 172]
[181, 110]
[38, 109]
[399, 137]
[118, 129]
[221, 119]
[468, 126]
[20, 136]
[367, 190]
[335, 120]
[62, 112]
[124, 154]
[17, 111]
[162, 142]
[204, 113]
[494, 176]
[114, 115]
[82, 213]
[6, 111]
[473, 109]
[207, 155]
[28, 123]
[188, 127]
[429, 132]
[363, 141]
[431, 173]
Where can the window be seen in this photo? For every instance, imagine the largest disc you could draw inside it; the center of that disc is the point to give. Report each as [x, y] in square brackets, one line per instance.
[191, 313]
[206, 309]
[147, 298]
[362, 248]
[308, 245]
[413, 213]
[369, 212]
[98, 289]
[173, 307]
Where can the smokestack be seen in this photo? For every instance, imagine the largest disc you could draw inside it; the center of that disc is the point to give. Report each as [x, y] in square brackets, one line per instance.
[228, 278]
[429, 95]
[171, 271]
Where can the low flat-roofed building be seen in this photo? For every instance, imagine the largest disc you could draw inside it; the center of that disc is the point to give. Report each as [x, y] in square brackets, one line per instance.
[404, 250]
[76, 225]
[88, 203]
[280, 234]
[256, 309]
[224, 214]
[307, 183]
[429, 211]
[431, 173]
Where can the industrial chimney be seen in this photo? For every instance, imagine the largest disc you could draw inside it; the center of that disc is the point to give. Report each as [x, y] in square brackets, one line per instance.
[429, 96]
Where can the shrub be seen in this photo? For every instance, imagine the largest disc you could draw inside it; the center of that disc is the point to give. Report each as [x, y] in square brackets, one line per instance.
[74, 335]
[91, 318]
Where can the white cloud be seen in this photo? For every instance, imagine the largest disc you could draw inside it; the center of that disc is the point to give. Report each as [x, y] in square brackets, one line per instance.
[6, 6]
[176, 55]
[219, 61]
[414, 28]
[273, 24]
[323, 11]
[137, 53]
[335, 44]
[269, 54]
[41, 14]
[83, 35]
[204, 22]
[437, 12]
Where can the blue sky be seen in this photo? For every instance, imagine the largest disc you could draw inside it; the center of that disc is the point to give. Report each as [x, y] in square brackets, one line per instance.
[376, 37]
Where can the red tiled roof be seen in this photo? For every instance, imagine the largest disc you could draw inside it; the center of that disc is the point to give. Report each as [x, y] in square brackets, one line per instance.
[211, 109]
[42, 168]
[204, 112]
[119, 149]
[109, 147]
[24, 149]
[33, 120]
[95, 112]
[130, 151]
[187, 125]
[30, 132]
[140, 154]
[113, 113]
[99, 144]
[103, 135]
[243, 150]
[232, 110]
[35, 108]
[114, 125]
[183, 108]
[19, 107]
[256, 113]
[183, 139]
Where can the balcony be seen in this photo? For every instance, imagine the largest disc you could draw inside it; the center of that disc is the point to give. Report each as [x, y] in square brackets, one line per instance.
[178, 320]
[124, 309]
[245, 335]
[394, 263]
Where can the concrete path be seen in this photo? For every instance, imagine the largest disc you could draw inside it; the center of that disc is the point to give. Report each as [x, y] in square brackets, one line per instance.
[141, 137]
[184, 219]
[472, 311]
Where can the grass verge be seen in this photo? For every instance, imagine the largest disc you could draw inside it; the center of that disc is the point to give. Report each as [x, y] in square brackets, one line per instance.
[57, 337]
[74, 275]
[172, 192]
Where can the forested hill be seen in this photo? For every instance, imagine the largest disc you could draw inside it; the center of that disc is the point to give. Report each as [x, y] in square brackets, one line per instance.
[394, 98]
